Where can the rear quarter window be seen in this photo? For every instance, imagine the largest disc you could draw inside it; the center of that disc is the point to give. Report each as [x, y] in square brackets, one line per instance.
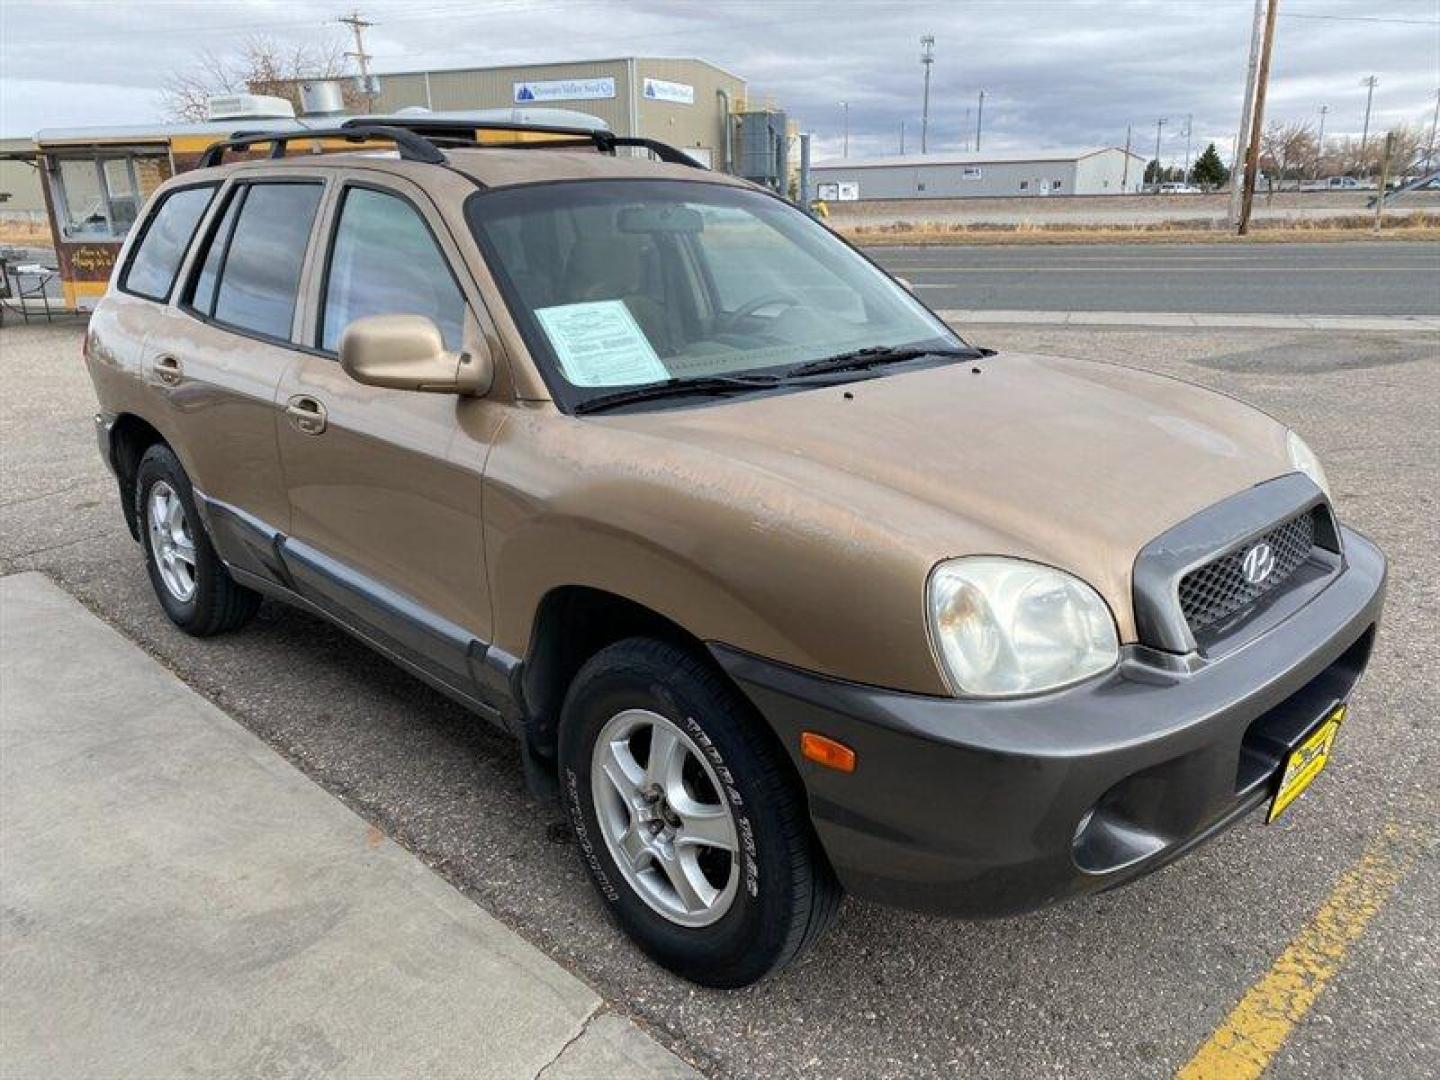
[162, 246]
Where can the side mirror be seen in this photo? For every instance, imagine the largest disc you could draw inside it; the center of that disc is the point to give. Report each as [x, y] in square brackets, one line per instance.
[407, 352]
[905, 283]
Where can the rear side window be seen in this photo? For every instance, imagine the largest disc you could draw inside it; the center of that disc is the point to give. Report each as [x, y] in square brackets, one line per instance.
[260, 257]
[162, 246]
[384, 261]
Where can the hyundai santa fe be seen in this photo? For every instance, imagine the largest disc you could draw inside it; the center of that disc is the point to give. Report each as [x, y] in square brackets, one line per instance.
[784, 589]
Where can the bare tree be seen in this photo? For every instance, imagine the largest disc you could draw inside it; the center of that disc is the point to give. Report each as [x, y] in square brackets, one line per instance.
[262, 66]
[1287, 149]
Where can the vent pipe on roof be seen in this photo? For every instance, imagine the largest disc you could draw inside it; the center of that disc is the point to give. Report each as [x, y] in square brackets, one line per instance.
[321, 99]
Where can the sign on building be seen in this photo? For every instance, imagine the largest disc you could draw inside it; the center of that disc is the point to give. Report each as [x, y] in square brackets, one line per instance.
[838, 191]
[660, 90]
[970, 172]
[564, 90]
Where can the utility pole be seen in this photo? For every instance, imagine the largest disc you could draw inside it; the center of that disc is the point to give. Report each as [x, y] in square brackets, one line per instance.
[902, 138]
[1237, 174]
[846, 106]
[1125, 176]
[361, 57]
[1369, 83]
[979, 120]
[1320, 144]
[1257, 122]
[1189, 123]
[1430, 146]
[1384, 177]
[927, 57]
[1159, 126]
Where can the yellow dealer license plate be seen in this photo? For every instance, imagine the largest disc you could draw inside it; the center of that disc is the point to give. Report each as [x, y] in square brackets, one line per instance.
[1305, 762]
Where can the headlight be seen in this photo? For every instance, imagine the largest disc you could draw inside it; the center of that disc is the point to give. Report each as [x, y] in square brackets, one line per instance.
[1305, 461]
[1003, 627]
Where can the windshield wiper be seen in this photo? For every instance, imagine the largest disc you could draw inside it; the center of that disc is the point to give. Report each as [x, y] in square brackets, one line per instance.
[860, 359]
[710, 384]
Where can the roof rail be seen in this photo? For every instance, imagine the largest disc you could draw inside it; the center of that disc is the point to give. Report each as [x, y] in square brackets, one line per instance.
[412, 147]
[463, 131]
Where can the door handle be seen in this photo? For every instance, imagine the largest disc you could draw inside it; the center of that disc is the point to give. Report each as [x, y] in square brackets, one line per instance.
[307, 414]
[167, 370]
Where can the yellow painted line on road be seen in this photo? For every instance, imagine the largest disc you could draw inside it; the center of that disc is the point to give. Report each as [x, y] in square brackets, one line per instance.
[1242, 1047]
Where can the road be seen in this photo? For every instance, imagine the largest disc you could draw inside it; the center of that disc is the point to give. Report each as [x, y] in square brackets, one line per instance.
[1132, 983]
[1351, 278]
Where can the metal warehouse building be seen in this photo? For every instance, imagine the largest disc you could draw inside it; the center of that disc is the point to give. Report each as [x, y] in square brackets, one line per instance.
[1103, 171]
[681, 101]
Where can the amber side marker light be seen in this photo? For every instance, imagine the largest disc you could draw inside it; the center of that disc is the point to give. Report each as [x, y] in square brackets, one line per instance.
[826, 751]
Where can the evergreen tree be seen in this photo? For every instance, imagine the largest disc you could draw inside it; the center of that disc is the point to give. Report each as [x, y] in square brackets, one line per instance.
[1209, 171]
[1152, 171]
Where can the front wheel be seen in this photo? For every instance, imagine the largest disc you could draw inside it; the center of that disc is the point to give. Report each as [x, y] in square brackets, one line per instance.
[688, 818]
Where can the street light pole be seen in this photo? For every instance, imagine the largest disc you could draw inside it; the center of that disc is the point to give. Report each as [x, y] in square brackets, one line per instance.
[846, 151]
[927, 57]
[1320, 144]
[979, 120]
[1189, 123]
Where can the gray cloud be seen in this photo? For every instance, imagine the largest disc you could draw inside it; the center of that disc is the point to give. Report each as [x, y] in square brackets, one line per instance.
[1056, 72]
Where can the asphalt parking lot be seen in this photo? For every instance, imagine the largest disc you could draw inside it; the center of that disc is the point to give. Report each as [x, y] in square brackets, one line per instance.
[1131, 983]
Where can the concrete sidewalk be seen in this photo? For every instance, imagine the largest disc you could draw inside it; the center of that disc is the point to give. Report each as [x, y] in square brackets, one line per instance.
[1172, 320]
[176, 899]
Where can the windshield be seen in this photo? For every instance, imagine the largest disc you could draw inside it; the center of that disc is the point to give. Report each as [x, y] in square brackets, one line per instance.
[631, 282]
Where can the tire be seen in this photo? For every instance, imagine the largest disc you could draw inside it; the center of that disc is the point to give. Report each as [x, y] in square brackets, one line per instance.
[773, 895]
[190, 581]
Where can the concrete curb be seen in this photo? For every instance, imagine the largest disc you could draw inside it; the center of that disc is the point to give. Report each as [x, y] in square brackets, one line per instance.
[1183, 320]
[178, 900]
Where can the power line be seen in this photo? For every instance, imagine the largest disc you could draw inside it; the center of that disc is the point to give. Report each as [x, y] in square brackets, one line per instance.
[1365, 18]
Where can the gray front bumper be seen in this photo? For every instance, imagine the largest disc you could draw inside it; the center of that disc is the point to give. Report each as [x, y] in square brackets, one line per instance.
[986, 808]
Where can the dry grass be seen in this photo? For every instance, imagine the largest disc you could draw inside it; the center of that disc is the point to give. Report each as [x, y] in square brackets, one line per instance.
[24, 234]
[1418, 226]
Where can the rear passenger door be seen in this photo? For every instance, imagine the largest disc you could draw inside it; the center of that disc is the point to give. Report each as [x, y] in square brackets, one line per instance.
[219, 357]
[385, 484]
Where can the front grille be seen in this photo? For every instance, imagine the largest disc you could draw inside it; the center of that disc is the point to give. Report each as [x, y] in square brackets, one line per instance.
[1212, 593]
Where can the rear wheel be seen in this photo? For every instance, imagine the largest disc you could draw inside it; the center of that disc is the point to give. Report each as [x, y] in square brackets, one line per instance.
[190, 581]
[688, 818]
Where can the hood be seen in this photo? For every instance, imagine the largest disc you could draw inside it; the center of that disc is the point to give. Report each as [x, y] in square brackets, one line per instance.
[1072, 463]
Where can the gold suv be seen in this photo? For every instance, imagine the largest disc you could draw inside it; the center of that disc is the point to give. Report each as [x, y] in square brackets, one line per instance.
[783, 587]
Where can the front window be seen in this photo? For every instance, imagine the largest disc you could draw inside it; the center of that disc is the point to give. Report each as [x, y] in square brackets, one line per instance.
[98, 197]
[629, 282]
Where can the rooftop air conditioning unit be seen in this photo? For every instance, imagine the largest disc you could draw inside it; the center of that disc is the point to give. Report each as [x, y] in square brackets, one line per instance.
[249, 107]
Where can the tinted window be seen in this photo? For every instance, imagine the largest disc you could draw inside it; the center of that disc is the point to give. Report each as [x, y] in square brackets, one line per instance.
[202, 296]
[261, 275]
[157, 260]
[384, 262]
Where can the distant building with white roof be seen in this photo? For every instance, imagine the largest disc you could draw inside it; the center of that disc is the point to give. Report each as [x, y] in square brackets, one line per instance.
[1105, 170]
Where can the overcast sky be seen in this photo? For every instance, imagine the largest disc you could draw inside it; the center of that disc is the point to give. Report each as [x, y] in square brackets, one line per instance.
[1056, 72]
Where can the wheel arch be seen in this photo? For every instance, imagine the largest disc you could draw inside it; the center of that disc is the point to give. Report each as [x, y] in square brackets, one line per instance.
[130, 437]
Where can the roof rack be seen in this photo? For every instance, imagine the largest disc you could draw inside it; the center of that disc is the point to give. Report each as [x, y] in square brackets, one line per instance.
[412, 147]
[415, 138]
[463, 132]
